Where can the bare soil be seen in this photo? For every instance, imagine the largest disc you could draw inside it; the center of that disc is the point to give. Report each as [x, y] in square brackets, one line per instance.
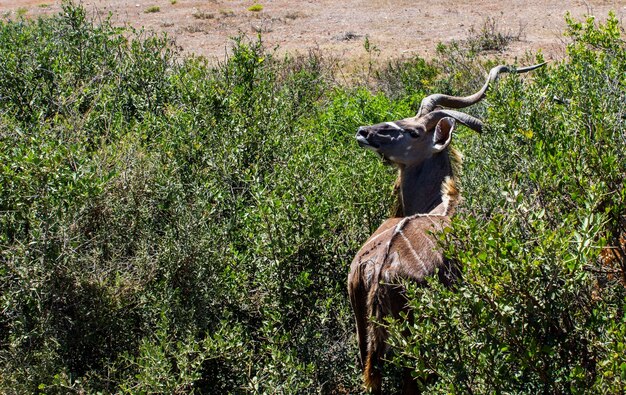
[397, 28]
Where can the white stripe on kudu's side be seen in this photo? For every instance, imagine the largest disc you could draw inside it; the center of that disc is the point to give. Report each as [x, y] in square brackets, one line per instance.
[423, 269]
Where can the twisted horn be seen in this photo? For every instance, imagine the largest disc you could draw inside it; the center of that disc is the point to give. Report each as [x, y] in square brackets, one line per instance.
[430, 120]
[431, 102]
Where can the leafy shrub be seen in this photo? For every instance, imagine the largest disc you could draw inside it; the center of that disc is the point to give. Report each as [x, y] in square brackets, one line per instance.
[490, 37]
[173, 227]
[168, 226]
[543, 191]
[406, 78]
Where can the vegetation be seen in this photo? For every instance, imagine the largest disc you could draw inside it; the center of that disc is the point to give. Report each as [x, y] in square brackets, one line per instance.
[153, 9]
[21, 11]
[538, 310]
[226, 12]
[168, 226]
[255, 7]
[490, 37]
[203, 15]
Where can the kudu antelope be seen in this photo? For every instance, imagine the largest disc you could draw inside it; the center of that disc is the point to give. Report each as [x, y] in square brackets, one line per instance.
[405, 247]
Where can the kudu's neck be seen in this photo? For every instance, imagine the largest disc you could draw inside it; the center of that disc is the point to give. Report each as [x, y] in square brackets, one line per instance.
[420, 189]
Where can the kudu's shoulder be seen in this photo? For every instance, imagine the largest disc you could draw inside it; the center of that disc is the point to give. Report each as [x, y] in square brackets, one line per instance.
[405, 239]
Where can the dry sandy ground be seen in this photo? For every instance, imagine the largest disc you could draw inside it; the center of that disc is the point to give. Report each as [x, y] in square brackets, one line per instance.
[339, 28]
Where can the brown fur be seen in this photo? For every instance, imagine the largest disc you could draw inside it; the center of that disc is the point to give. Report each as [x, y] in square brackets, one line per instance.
[401, 248]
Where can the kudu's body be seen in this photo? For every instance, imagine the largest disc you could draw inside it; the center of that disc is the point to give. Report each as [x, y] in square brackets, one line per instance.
[405, 246]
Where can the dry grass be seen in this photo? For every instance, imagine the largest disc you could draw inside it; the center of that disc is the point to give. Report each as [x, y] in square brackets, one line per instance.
[293, 15]
[201, 14]
[491, 37]
[195, 28]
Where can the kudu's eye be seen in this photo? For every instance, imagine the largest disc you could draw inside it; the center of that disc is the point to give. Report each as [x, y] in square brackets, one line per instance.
[414, 133]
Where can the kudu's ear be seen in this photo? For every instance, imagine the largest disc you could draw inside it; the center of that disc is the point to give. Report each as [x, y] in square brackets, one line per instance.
[443, 134]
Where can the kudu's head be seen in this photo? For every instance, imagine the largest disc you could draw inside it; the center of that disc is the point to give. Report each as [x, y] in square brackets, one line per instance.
[410, 141]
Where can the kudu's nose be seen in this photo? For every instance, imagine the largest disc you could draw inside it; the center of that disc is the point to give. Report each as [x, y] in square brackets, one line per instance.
[362, 135]
[362, 131]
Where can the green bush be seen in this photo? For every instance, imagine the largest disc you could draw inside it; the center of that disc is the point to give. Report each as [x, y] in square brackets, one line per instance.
[168, 226]
[544, 192]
